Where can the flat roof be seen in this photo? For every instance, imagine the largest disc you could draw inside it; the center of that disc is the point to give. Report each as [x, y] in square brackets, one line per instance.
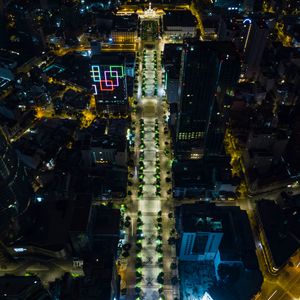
[105, 220]
[183, 18]
[281, 230]
[237, 242]
[15, 285]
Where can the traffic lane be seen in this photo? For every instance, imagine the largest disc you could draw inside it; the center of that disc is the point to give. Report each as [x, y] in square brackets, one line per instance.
[276, 293]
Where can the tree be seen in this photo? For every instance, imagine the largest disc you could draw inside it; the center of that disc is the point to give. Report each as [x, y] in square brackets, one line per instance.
[174, 280]
[130, 162]
[171, 241]
[125, 254]
[173, 266]
[127, 246]
[158, 248]
[138, 263]
[160, 278]
[138, 274]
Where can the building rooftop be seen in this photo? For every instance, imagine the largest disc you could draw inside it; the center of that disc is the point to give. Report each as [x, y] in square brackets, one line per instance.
[105, 221]
[201, 173]
[237, 243]
[22, 287]
[172, 59]
[126, 23]
[195, 278]
[181, 18]
[80, 215]
[103, 183]
[282, 229]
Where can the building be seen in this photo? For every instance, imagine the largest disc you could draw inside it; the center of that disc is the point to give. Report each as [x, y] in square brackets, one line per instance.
[125, 30]
[22, 288]
[200, 238]
[214, 243]
[179, 25]
[235, 5]
[172, 64]
[232, 4]
[279, 229]
[209, 70]
[255, 43]
[208, 178]
[101, 145]
[15, 190]
[97, 229]
[100, 281]
[95, 47]
[211, 26]
[109, 83]
[219, 233]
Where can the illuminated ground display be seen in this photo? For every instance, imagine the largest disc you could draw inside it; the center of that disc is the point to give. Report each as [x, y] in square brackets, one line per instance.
[107, 79]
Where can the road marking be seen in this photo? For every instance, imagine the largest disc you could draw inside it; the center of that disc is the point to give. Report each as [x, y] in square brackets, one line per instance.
[272, 295]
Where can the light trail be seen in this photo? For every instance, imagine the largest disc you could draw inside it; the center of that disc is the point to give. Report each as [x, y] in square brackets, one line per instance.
[272, 294]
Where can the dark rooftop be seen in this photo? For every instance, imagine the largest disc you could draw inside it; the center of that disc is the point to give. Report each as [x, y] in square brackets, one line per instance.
[126, 23]
[282, 229]
[182, 18]
[15, 287]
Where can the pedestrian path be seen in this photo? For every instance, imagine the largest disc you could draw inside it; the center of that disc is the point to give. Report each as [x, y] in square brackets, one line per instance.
[149, 206]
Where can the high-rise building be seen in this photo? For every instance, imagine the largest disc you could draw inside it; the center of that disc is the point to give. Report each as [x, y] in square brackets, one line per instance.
[171, 62]
[15, 190]
[208, 71]
[255, 42]
[109, 83]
